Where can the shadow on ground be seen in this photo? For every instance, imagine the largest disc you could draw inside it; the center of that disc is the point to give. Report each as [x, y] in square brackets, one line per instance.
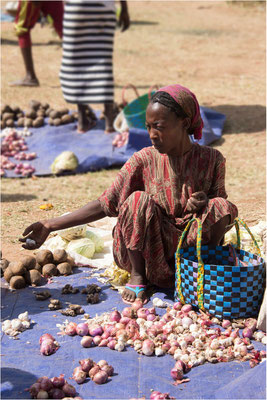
[12, 198]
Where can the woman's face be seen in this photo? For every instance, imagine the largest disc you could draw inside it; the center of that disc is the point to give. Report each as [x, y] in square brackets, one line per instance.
[167, 132]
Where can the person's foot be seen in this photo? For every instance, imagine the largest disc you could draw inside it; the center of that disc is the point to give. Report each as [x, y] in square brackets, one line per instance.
[136, 288]
[85, 126]
[85, 122]
[27, 81]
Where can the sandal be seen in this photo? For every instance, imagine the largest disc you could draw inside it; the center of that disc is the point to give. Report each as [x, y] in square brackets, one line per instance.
[136, 289]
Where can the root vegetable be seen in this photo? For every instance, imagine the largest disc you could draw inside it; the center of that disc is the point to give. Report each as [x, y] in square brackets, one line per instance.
[44, 257]
[31, 114]
[60, 256]
[51, 121]
[29, 262]
[38, 267]
[39, 121]
[79, 375]
[69, 390]
[100, 377]
[4, 264]
[48, 347]
[8, 274]
[9, 123]
[70, 329]
[86, 364]
[63, 111]
[148, 347]
[33, 277]
[27, 122]
[64, 268]
[108, 369]
[49, 270]
[71, 261]
[42, 394]
[58, 381]
[54, 114]
[7, 116]
[87, 341]
[34, 104]
[66, 119]
[46, 336]
[82, 329]
[17, 268]
[17, 282]
[57, 121]
[94, 370]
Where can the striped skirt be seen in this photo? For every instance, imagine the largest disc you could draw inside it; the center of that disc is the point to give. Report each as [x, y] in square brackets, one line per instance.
[86, 73]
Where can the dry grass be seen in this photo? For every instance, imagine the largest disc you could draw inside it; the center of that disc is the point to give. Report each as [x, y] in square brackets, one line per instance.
[215, 48]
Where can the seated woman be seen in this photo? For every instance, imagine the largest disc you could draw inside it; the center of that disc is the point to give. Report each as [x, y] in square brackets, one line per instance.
[155, 195]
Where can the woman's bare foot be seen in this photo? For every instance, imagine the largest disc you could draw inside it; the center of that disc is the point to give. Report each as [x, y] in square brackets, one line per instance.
[27, 81]
[110, 115]
[85, 123]
[86, 126]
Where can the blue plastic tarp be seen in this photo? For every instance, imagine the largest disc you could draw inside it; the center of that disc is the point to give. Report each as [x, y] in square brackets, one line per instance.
[94, 148]
[135, 374]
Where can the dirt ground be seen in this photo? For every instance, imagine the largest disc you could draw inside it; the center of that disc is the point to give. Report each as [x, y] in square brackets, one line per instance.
[217, 49]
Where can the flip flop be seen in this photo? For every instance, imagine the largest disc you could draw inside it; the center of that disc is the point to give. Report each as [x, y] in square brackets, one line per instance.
[136, 289]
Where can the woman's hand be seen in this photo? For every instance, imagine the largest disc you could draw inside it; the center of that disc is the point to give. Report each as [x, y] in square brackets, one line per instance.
[196, 202]
[35, 235]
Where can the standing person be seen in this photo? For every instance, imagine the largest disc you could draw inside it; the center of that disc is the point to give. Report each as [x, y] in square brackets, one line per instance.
[155, 195]
[28, 14]
[86, 72]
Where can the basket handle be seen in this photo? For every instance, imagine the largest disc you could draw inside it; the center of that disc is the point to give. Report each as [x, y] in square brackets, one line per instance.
[239, 221]
[200, 272]
[150, 90]
[129, 85]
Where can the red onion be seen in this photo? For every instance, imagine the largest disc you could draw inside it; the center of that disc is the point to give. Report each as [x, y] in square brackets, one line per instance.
[166, 347]
[79, 375]
[128, 312]
[86, 364]
[118, 326]
[167, 317]
[101, 363]
[137, 304]
[177, 306]
[186, 321]
[82, 329]
[186, 308]
[56, 393]
[42, 394]
[103, 343]
[115, 316]
[251, 323]
[108, 369]
[151, 317]
[148, 347]
[34, 389]
[46, 336]
[226, 323]
[159, 396]
[97, 339]
[189, 339]
[48, 347]
[70, 329]
[142, 313]
[87, 341]
[247, 332]
[111, 345]
[69, 390]
[59, 381]
[235, 333]
[180, 365]
[125, 320]
[106, 334]
[172, 350]
[100, 377]
[96, 330]
[94, 371]
[177, 374]
[154, 395]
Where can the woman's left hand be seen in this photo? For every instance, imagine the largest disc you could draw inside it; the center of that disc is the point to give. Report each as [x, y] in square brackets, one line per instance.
[196, 202]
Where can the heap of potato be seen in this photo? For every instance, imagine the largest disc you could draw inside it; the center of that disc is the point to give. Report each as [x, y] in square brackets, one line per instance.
[30, 269]
[34, 115]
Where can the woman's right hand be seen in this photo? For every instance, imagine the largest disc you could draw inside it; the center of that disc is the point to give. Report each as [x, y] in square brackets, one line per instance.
[37, 232]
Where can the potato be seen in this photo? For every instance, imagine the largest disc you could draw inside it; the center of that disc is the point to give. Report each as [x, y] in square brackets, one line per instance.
[15, 109]
[66, 119]
[20, 115]
[3, 125]
[64, 268]
[28, 122]
[34, 104]
[45, 106]
[7, 116]
[60, 255]
[48, 111]
[5, 109]
[29, 262]
[63, 111]
[49, 270]
[57, 121]
[51, 121]
[44, 257]
[3, 266]
[17, 268]
[21, 121]
[38, 122]
[71, 261]
[54, 114]
[33, 277]
[17, 282]
[40, 113]
[9, 123]
[8, 274]
[38, 267]
[30, 113]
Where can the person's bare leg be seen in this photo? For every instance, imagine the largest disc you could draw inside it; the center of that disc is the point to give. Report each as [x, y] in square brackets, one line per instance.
[109, 117]
[30, 78]
[138, 275]
[218, 230]
[84, 122]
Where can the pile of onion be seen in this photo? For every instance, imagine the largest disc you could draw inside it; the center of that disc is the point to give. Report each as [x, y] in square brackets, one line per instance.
[48, 344]
[54, 388]
[98, 372]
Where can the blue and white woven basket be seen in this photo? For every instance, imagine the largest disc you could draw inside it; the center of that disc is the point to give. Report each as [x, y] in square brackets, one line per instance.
[209, 278]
